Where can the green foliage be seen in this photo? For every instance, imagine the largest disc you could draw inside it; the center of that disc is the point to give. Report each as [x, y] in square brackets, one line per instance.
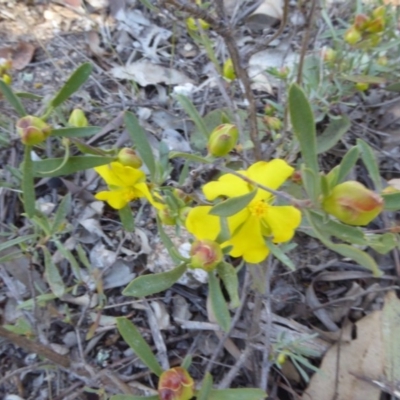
[218, 303]
[28, 189]
[135, 341]
[12, 98]
[232, 206]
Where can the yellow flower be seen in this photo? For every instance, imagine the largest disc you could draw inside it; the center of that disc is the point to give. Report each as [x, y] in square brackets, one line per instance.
[259, 219]
[125, 184]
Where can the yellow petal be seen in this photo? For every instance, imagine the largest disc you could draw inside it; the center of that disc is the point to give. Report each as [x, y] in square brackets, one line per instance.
[249, 243]
[271, 174]
[201, 224]
[227, 185]
[283, 220]
[116, 198]
[118, 175]
[143, 191]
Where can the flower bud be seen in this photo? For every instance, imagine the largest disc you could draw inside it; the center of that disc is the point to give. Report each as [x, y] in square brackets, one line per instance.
[352, 35]
[7, 79]
[228, 71]
[329, 55]
[32, 130]
[360, 22]
[222, 140]
[78, 119]
[353, 204]
[205, 254]
[273, 123]
[175, 384]
[166, 216]
[269, 110]
[191, 24]
[362, 86]
[129, 158]
[377, 25]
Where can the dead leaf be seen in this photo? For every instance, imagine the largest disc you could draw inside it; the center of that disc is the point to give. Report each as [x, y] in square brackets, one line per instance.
[267, 14]
[93, 40]
[20, 55]
[374, 356]
[145, 73]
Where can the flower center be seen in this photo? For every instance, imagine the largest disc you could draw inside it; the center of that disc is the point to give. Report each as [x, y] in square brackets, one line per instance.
[258, 208]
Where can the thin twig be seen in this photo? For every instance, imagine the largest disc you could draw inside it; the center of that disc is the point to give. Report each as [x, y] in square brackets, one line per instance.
[306, 41]
[224, 29]
[263, 43]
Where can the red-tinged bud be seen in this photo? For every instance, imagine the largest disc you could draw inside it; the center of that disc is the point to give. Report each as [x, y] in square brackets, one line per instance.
[353, 204]
[129, 158]
[166, 216]
[32, 130]
[362, 86]
[273, 123]
[352, 35]
[78, 119]
[222, 140]
[228, 71]
[296, 177]
[360, 22]
[205, 254]
[175, 384]
[377, 25]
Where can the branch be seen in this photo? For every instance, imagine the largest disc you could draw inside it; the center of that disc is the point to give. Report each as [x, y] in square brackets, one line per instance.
[224, 29]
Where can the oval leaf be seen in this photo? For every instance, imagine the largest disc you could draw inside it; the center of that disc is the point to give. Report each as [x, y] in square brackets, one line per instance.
[280, 255]
[12, 98]
[154, 283]
[126, 217]
[229, 276]
[347, 164]
[303, 123]
[139, 140]
[233, 205]
[218, 303]
[74, 164]
[76, 132]
[74, 82]
[333, 133]
[369, 160]
[52, 274]
[392, 201]
[135, 341]
[237, 394]
[206, 386]
[28, 187]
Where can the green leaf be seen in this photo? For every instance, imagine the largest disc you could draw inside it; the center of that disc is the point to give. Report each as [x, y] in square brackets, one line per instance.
[187, 362]
[233, 205]
[71, 259]
[206, 386]
[139, 140]
[18, 240]
[394, 87]
[333, 133]
[348, 162]
[27, 184]
[229, 276]
[76, 132]
[12, 98]
[280, 255]
[167, 242]
[237, 394]
[74, 82]
[382, 243]
[303, 123]
[126, 217]
[132, 397]
[135, 341]
[191, 110]
[345, 250]
[365, 79]
[27, 95]
[191, 157]
[146, 285]
[392, 201]
[52, 274]
[369, 160]
[62, 212]
[74, 164]
[218, 303]
[311, 183]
